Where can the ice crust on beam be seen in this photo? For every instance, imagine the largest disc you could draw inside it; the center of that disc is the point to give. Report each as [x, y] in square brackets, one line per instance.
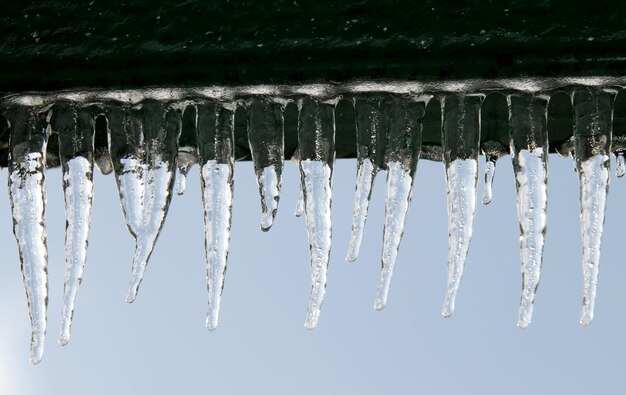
[593, 114]
[461, 147]
[27, 193]
[215, 133]
[143, 144]
[267, 145]
[529, 152]
[316, 140]
[371, 139]
[76, 128]
[402, 121]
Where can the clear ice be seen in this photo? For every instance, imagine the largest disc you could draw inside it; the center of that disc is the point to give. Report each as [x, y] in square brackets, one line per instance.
[76, 130]
[215, 128]
[620, 165]
[593, 109]
[143, 144]
[316, 138]
[27, 192]
[529, 152]
[267, 145]
[461, 146]
[402, 122]
[370, 149]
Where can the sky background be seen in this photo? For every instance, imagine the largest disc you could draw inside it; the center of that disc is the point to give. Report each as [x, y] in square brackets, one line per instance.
[159, 344]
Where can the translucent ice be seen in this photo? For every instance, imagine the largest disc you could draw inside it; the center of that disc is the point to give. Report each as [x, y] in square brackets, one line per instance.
[461, 145]
[215, 128]
[529, 152]
[143, 144]
[27, 193]
[593, 109]
[316, 138]
[402, 123]
[490, 172]
[76, 146]
[266, 139]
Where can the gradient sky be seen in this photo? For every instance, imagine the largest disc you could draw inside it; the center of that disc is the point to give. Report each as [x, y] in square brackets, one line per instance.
[159, 344]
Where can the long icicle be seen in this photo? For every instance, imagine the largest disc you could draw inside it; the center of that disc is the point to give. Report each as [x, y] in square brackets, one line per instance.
[316, 138]
[593, 114]
[215, 131]
[267, 145]
[403, 122]
[143, 148]
[27, 193]
[461, 145]
[370, 148]
[76, 130]
[529, 152]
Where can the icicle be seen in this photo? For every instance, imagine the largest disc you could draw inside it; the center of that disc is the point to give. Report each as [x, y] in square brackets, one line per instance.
[593, 110]
[215, 130]
[27, 192]
[461, 140]
[316, 137]
[266, 139]
[404, 134]
[529, 152]
[181, 180]
[370, 149]
[490, 172]
[620, 166]
[143, 147]
[76, 145]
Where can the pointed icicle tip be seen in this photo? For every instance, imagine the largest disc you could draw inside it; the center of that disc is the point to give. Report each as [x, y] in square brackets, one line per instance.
[268, 180]
[365, 180]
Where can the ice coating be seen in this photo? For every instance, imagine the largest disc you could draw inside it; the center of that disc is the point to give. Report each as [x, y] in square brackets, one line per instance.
[215, 128]
[317, 182]
[371, 141]
[397, 202]
[490, 172]
[78, 188]
[593, 109]
[144, 162]
[531, 178]
[620, 165]
[461, 179]
[316, 141]
[529, 153]
[217, 200]
[267, 145]
[365, 179]
[461, 145]
[27, 193]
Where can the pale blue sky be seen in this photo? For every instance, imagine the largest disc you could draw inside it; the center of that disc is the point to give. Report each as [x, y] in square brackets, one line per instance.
[159, 345]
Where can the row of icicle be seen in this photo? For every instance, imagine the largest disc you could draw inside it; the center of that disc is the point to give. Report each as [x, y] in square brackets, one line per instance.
[143, 147]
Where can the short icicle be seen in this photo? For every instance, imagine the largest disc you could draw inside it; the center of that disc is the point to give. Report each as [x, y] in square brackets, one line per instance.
[461, 145]
[267, 144]
[27, 192]
[593, 114]
[403, 123]
[370, 148]
[316, 138]
[490, 172]
[215, 131]
[76, 128]
[143, 149]
[529, 152]
[620, 164]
